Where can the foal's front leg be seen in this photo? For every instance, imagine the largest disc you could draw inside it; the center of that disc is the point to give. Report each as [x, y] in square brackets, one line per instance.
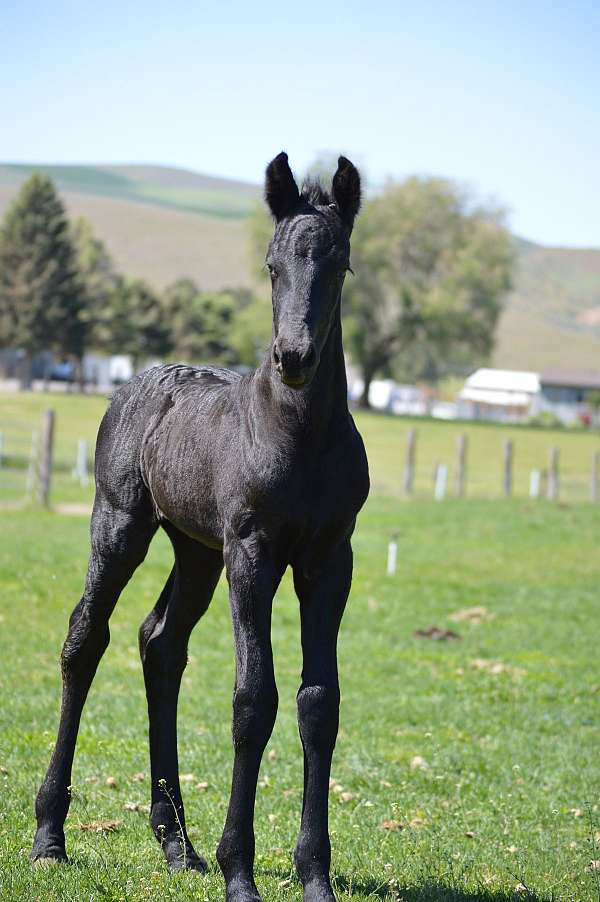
[252, 583]
[322, 602]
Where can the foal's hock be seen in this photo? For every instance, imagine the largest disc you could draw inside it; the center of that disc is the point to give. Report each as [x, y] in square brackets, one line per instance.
[253, 473]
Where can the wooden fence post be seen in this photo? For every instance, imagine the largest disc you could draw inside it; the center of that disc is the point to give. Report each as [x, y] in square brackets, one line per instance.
[508, 462]
[461, 469]
[553, 475]
[409, 466]
[45, 467]
[595, 487]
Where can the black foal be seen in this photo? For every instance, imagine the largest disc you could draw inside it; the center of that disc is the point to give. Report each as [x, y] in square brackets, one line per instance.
[253, 473]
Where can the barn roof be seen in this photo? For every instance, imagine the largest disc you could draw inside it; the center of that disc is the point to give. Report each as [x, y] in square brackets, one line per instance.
[504, 381]
[579, 378]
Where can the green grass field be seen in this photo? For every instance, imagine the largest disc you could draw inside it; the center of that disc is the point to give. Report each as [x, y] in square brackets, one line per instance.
[471, 765]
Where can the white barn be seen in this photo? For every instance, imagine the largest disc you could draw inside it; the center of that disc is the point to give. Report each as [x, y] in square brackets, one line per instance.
[507, 396]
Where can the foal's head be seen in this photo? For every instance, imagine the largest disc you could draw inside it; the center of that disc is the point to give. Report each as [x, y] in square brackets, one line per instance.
[307, 260]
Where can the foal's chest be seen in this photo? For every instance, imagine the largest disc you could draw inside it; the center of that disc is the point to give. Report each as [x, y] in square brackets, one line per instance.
[316, 495]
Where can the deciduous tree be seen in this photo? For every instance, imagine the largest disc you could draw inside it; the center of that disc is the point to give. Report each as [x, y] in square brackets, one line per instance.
[431, 272]
[134, 323]
[200, 323]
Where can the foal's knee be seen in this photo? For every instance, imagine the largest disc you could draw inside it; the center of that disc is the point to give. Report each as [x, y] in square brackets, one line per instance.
[163, 659]
[254, 713]
[318, 716]
[86, 641]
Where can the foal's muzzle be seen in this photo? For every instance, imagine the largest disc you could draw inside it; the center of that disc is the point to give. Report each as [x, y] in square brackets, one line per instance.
[295, 364]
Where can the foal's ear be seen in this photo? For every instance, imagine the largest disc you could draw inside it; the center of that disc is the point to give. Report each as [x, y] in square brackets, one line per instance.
[281, 191]
[345, 190]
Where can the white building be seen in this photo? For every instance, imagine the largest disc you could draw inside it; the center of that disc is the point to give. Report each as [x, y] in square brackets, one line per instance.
[385, 394]
[507, 396]
[565, 393]
[105, 372]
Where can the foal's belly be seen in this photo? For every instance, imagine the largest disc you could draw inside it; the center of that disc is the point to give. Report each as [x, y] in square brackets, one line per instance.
[198, 517]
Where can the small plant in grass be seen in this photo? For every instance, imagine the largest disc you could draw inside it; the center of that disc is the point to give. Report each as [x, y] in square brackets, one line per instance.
[180, 831]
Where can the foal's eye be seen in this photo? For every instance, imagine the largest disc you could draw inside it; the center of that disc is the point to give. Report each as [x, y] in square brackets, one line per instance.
[272, 271]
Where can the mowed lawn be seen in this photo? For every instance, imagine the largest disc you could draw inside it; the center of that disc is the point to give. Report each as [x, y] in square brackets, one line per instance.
[465, 769]
[468, 768]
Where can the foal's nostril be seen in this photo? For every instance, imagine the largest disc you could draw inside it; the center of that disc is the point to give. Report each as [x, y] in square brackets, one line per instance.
[294, 361]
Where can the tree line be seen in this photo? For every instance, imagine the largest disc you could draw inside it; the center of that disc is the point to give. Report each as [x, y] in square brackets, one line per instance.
[60, 291]
[432, 269]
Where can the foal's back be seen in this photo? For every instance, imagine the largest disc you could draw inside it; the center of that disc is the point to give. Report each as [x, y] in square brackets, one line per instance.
[164, 442]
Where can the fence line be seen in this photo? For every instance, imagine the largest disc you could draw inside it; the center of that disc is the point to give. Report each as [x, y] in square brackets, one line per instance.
[28, 466]
[548, 482]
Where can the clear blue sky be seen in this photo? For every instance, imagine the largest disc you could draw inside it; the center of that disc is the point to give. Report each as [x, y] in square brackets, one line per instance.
[504, 97]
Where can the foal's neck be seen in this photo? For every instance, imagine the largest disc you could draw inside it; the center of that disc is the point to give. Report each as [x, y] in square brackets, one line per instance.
[319, 410]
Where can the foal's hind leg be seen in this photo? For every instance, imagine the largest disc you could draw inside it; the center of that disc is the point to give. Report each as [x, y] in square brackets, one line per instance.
[119, 544]
[163, 647]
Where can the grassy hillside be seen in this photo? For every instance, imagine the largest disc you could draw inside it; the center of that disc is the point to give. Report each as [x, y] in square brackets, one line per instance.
[161, 223]
[160, 185]
[160, 244]
[553, 315]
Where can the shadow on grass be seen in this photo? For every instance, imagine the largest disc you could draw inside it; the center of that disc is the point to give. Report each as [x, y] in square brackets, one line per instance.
[428, 892]
[431, 891]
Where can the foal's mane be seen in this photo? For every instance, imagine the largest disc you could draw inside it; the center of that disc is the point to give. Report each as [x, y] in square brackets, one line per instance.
[314, 193]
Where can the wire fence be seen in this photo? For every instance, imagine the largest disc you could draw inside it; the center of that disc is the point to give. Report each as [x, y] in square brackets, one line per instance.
[31, 470]
[428, 460]
[19, 448]
[507, 467]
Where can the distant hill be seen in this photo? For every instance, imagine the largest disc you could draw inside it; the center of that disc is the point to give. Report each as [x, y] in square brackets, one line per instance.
[177, 189]
[552, 317]
[161, 223]
[156, 222]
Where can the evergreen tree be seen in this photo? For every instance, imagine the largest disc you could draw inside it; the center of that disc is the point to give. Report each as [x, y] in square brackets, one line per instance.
[99, 280]
[40, 291]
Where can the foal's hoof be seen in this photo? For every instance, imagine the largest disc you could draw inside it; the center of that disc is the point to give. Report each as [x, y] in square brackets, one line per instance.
[242, 891]
[178, 860]
[318, 890]
[47, 850]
